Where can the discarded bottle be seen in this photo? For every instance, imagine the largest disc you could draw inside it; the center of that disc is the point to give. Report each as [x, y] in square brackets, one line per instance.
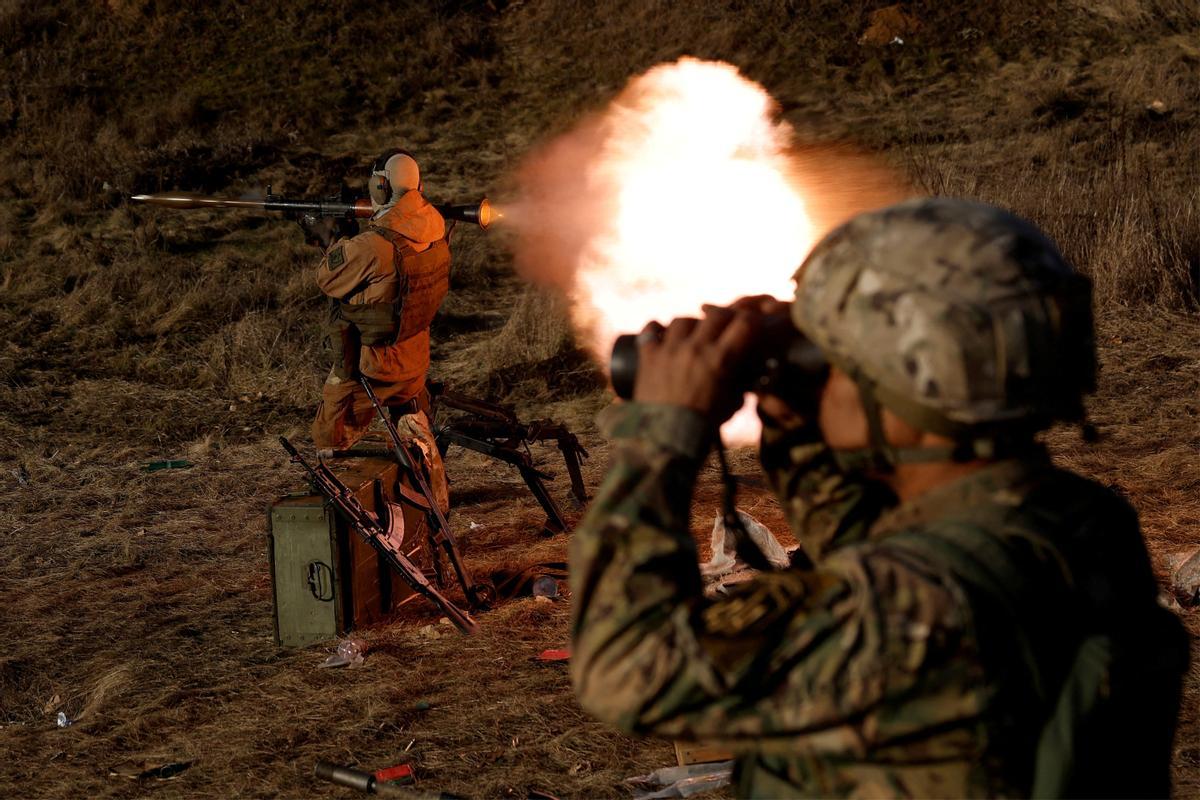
[349, 653]
[545, 586]
[64, 721]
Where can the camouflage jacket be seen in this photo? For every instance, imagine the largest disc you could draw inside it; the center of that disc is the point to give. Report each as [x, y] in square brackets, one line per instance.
[999, 636]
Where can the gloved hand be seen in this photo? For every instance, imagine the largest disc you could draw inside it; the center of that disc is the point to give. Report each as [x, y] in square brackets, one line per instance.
[345, 228]
[318, 231]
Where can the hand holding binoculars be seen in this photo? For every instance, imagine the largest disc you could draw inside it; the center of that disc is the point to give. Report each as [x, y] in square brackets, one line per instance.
[780, 359]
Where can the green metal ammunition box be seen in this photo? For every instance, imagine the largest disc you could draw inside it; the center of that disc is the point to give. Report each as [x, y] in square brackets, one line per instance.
[326, 579]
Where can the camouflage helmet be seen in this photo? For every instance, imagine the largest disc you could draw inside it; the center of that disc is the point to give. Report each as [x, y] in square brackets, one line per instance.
[959, 317]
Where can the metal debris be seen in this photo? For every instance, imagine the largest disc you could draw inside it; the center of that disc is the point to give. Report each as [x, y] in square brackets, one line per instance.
[158, 466]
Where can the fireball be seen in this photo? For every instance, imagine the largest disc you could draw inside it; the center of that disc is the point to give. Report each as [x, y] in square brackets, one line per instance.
[685, 190]
[703, 211]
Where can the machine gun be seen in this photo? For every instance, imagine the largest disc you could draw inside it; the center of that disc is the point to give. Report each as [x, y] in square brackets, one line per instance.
[441, 539]
[496, 431]
[368, 526]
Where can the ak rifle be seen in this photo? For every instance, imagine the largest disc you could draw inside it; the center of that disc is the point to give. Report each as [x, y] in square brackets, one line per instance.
[496, 431]
[441, 539]
[368, 526]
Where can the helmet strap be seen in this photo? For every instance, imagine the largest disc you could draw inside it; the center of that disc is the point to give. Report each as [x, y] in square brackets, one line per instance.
[744, 546]
[881, 457]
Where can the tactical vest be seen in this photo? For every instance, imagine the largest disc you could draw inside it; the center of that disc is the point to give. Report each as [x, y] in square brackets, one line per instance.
[422, 280]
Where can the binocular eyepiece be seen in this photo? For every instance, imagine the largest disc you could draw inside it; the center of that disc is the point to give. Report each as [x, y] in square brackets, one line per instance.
[783, 361]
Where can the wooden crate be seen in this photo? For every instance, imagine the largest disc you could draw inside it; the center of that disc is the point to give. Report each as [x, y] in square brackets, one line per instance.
[692, 753]
[326, 580]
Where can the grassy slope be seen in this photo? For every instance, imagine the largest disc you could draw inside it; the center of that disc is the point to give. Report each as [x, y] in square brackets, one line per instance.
[133, 335]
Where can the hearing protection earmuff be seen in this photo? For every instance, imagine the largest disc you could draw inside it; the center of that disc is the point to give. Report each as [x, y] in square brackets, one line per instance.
[380, 187]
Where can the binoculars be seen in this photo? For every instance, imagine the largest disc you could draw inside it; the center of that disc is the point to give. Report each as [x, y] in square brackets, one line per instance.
[782, 361]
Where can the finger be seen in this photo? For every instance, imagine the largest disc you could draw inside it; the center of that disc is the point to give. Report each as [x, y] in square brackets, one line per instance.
[760, 303]
[716, 318]
[750, 303]
[737, 337]
[679, 329]
[653, 327]
[771, 306]
[653, 332]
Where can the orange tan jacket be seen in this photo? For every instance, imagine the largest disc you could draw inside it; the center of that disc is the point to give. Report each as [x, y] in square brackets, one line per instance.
[360, 270]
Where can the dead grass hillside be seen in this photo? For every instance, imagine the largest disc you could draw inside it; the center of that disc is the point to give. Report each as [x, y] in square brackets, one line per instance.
[139, 603]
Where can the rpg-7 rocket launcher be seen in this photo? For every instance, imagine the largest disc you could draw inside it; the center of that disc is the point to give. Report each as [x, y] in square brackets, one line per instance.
[340, 207]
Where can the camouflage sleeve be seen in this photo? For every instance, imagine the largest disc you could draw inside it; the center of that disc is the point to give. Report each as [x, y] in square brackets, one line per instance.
[819, 659]
[826, 508]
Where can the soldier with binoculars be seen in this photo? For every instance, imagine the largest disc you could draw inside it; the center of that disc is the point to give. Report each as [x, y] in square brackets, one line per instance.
[967, 619]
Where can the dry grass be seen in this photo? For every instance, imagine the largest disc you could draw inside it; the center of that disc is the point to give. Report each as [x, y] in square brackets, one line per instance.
[142, 600]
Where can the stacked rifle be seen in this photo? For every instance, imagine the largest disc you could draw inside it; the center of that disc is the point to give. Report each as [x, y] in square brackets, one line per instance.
[372, 530]
[481, 426]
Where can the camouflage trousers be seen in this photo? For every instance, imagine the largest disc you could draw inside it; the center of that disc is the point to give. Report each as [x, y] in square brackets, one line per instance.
[346, 412]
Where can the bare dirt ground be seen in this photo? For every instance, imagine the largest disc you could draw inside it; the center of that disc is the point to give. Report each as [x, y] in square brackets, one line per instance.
[139, 603]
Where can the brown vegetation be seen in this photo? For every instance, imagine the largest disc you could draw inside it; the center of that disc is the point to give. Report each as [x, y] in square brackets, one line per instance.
[141, 600]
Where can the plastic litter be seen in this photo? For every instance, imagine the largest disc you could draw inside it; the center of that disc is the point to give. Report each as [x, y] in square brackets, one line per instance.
[673, 782]
[724, 559]
[400, 775]
[349, 653]
[545, 586]
[1185, 579]
[554, 655]
[63, 721]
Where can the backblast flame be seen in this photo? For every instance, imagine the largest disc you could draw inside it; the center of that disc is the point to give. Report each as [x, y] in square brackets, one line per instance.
[684, 191]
